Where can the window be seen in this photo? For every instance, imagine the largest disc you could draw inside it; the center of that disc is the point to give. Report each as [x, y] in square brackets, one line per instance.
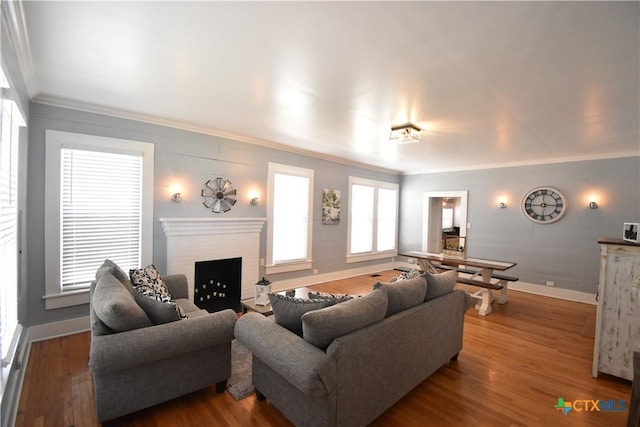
[290, 218]
[99, 203]
[373, 219]
[10, 123]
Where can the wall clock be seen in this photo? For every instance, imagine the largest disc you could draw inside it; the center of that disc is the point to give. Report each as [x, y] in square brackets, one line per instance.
[544, 205]
[218, 195]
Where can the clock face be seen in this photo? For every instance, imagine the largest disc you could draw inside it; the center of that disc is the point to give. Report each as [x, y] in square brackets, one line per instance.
[544, 205]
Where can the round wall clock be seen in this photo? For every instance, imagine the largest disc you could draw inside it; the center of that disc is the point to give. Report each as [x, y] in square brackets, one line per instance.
[218, 195]
[544, 205]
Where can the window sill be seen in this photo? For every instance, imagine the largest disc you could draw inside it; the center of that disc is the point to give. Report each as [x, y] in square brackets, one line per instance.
[284, 268]
[370, 256]
[66, 299]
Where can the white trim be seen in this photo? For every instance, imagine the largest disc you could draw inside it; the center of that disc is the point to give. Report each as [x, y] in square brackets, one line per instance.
[54, 142]
[371, 257]
[13, 388]
[277, 168]
[62, 328]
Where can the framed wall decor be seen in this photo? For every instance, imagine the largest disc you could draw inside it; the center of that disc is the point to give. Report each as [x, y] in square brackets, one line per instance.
[630, 232]
[331, 206]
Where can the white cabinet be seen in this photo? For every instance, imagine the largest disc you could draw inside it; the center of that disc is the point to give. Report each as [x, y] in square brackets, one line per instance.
[618, 316]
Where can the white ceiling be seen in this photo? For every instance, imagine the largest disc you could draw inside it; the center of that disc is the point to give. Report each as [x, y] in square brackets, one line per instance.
[492, 83]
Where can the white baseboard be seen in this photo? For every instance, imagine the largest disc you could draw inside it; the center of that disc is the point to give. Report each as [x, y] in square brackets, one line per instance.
[58, 329]
[281, 285]
[13, 389]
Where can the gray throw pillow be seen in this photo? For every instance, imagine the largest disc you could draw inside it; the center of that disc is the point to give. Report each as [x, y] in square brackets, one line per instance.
[288, 311]
[156, 309]
[109, 266]
[321, 327]
[440, 284]
[404, 294]
[116, 307]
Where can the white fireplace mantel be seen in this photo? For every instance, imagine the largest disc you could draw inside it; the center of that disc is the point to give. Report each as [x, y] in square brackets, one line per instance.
[190, 240]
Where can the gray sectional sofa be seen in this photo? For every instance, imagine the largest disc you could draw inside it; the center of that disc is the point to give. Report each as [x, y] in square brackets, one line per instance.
[137, 362]
[357, 358]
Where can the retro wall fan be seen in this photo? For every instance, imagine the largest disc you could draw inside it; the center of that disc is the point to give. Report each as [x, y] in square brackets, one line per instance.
[218, 195]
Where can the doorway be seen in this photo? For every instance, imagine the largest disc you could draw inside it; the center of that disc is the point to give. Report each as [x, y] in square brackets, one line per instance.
[444, 215]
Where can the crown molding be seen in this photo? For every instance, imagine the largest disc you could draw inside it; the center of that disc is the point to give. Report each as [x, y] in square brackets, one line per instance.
[14, 20]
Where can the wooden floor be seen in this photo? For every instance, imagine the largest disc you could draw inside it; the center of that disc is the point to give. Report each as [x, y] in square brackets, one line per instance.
[515, 364]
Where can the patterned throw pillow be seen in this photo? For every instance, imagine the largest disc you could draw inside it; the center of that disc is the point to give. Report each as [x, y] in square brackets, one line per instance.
[154, 297]
[406, 275]
[149, 277]
[332, 298]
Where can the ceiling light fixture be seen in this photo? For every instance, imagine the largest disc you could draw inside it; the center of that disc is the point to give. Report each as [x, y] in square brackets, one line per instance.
[404, 134]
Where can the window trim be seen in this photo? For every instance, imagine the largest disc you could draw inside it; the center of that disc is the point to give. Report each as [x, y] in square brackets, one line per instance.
[271, 268]
[374, 254]
[54, 141]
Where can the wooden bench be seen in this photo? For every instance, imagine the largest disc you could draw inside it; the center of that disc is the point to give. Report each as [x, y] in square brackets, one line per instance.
[483, 295]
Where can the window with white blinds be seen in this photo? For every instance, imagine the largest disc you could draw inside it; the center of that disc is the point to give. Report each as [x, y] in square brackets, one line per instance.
[99, 206]
[373, 219]
[10, 123]
[290, 218]
[101, 212]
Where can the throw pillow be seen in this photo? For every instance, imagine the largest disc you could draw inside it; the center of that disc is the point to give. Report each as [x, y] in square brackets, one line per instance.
[332, 298]
[408, 275]
[158, 307]
[149, 277]
[288, 311]
[116, 307]
[404, 294]
[440, 284]
[109, 266]
[321, 327]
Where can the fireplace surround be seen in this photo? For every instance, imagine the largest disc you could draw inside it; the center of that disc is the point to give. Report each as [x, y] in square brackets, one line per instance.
[191, 240]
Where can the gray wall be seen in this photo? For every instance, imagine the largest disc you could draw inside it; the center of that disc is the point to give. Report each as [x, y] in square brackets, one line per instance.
[565, 252]
[190, 159]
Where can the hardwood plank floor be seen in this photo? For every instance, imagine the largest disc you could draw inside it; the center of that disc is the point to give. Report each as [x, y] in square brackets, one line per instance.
[515, 364]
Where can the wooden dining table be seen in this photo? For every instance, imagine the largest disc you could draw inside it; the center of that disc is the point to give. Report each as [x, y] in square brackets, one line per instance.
[481, 272]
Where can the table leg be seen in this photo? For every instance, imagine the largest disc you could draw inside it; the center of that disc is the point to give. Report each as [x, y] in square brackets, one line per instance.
[484, 301]
[502, 296]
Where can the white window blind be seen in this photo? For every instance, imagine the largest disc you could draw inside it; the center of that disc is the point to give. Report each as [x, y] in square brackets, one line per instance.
[290, 218]
[361, 218]
[101, 210]
[10, 123]
[387, 219]
[373, 219]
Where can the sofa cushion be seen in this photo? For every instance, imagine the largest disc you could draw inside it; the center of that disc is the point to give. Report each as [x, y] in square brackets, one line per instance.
[109, 266]
[440, 284]
[158, 307]
[288, 311]
[321, 327]
[149, 277]
[116, 307]
[404, 294]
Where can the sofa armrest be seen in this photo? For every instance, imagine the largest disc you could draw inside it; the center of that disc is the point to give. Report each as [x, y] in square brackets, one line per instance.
[115, 352]
[303, 365]
[177, 285]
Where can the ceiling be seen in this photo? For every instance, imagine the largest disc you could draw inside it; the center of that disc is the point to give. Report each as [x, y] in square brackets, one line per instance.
[490, 83]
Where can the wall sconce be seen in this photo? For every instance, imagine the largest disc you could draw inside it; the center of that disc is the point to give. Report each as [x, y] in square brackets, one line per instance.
[404, 134]
[254, 197]
[593, 202]
[502, 202]
[502, 205]
[176, 193]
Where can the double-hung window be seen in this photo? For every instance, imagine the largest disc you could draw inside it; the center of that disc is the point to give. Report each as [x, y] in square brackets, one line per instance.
[99, 205]
[290, 218]
[10, 124]
[373, 219]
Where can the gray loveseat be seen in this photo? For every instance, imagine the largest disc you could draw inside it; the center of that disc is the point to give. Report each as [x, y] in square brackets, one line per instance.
[142, 363]
[335, 377]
